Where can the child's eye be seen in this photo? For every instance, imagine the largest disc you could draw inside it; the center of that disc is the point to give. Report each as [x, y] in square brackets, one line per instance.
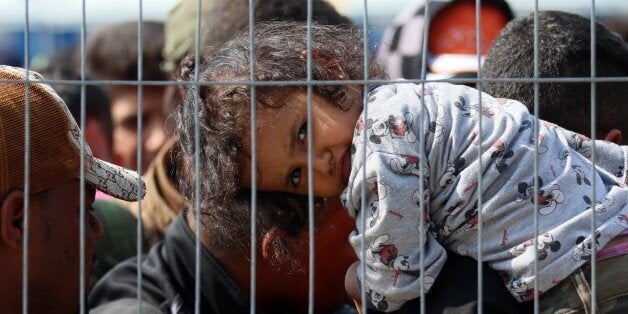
[296, 176]
[303, 132]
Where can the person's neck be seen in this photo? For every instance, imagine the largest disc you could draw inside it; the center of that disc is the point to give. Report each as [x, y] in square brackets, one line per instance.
[277, 289]
[10, 290]
[10, 304]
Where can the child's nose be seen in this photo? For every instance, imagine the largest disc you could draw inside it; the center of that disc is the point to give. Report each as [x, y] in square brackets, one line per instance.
[323, 163]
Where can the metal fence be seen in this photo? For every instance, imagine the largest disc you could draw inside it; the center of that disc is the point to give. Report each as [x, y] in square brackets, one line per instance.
[309, 82]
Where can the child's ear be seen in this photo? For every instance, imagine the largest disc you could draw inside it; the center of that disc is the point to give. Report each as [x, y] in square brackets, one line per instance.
[275, 247]
[12, 220]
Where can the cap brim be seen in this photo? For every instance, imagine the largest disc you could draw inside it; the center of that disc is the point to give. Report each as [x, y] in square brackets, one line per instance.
[114, 180]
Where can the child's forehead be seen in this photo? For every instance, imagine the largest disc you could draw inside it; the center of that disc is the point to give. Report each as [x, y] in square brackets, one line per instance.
[279, 96]
[285, 113]
[293, 100]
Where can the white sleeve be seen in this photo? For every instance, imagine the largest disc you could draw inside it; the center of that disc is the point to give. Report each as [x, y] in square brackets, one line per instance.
[389, 165]
[394, 234]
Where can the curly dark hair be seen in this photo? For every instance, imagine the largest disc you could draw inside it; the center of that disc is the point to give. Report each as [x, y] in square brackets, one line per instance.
[234, 15]
[224, 114]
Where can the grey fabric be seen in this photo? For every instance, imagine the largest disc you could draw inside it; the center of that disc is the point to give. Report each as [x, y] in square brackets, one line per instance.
[125, 306]
[443, 118]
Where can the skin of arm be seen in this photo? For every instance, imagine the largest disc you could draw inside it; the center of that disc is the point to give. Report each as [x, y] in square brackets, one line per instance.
[352, 285]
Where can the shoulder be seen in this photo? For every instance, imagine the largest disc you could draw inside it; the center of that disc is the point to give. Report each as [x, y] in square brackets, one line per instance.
[121, 282]
[119, 239]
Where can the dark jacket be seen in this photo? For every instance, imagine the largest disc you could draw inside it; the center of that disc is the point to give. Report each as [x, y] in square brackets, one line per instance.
[168, 278]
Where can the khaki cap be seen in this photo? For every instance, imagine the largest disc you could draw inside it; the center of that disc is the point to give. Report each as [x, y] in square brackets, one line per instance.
[180, 31]
[54, 142]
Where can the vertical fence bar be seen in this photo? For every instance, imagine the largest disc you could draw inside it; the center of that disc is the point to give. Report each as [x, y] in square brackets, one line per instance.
[309, 82]
[480, 187]
[424, 53]
[310, 161]
[536, 154]
[197, 162]
[253, 156]
[82, 174]
[363, 190]
[27, 150]
[593, 159]
[140, 64]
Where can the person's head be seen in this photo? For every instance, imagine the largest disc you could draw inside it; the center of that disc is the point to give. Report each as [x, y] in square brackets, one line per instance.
[282, 248]
[98, 126]
[224, 123]
[452, 38]
[282, 218]
[280, 50]
[221, 19]
[564, 51]
[112, 54]
[54, 192]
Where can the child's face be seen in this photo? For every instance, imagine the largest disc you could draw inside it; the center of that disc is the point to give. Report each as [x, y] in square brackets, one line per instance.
[282, 145]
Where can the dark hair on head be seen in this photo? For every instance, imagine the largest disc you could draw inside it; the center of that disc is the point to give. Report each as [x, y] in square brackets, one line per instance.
[112, 52]
[63, 66]
[224, 109]
[234, 15]
[564, 51]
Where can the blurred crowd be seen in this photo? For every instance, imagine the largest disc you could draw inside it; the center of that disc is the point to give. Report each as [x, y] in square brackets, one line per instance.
[128, 111]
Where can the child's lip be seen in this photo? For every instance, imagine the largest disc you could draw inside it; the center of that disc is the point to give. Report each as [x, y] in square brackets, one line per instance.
[345, 164]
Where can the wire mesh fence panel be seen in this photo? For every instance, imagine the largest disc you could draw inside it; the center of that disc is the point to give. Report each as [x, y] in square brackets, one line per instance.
[251, 181]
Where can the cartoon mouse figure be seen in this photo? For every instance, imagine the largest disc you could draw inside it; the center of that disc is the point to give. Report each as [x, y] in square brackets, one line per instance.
[585, 246]
[436, 128]
[620, 171]
[387, 254]
[525, 125]
[562, 158]
[487, 110]
[395, 127]
[416, 196]
[453, 170]
[407, 164]
[500, 154]
[580, 143]
[374, 210]
[581, 177]
[377, 300]
[517, 286]
[400, 128]
[472, 220]
[542, 147]
[545, 243]
[548, 198]
[600, 206]
[521, 289]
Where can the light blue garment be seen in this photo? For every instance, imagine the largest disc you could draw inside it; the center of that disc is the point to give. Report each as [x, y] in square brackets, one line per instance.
[447, 129]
